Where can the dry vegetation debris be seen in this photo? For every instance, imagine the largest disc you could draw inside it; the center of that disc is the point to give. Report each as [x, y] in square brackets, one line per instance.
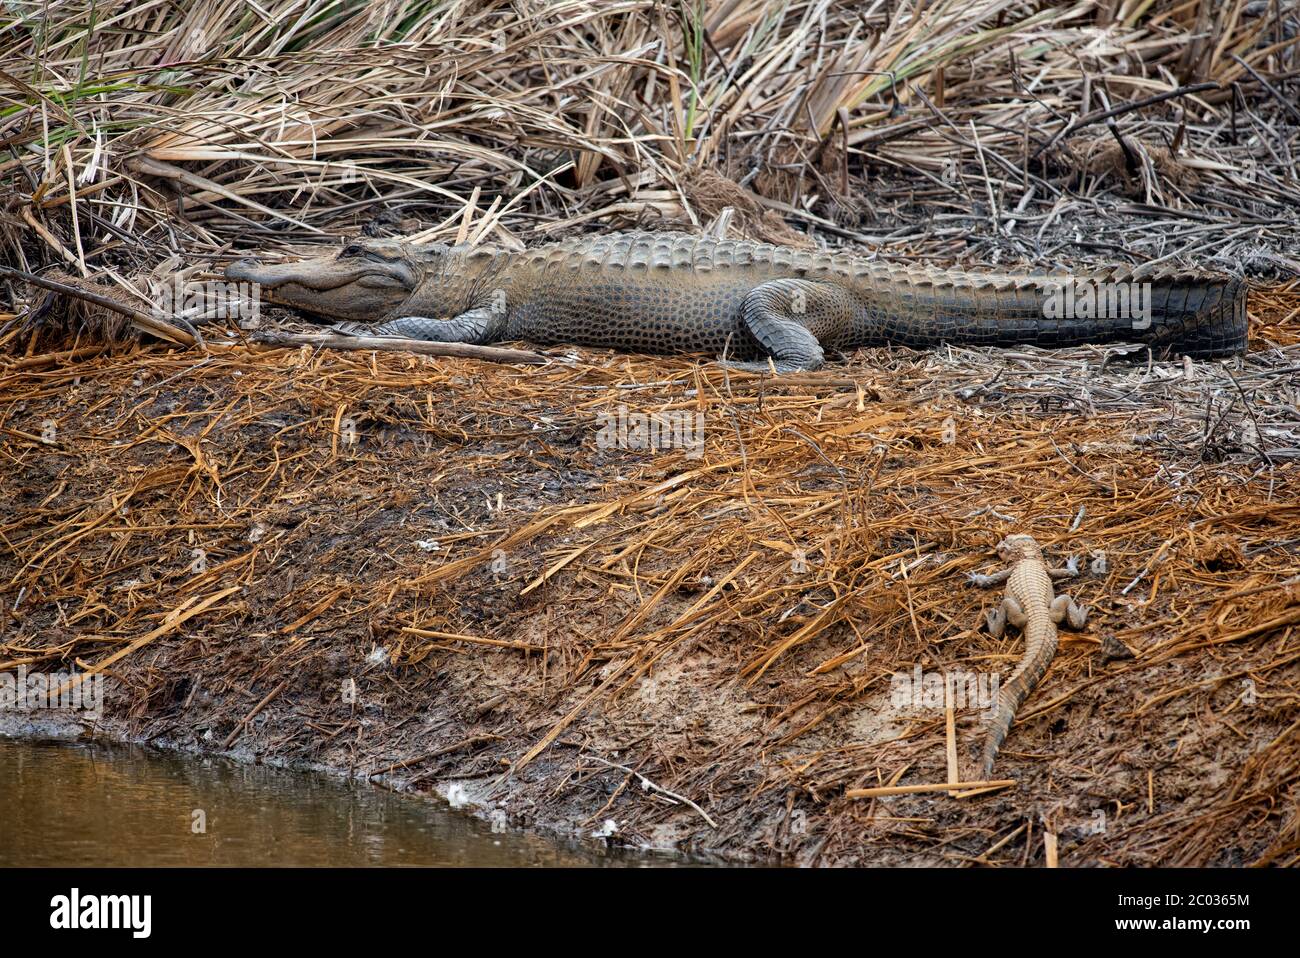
[232, 535]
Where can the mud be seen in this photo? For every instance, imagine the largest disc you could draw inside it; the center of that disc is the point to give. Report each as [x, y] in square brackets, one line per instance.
[430, 576]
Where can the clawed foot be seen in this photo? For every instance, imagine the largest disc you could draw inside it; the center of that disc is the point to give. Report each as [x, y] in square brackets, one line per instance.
[1066, 611]
[988, 581]
[352, 329]
[1070, 570]
[1077, 615]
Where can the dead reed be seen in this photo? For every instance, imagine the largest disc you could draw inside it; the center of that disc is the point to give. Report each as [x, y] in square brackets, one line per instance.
[697, 642]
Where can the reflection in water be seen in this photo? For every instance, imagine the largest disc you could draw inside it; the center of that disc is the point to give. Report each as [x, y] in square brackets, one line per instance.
[68, 805]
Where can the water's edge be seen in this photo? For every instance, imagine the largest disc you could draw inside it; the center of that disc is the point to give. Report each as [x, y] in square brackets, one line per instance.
[52, 728]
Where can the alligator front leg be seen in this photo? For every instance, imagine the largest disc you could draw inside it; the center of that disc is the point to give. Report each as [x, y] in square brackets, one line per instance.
[1068, 571]
[790, 318]
[475, 326]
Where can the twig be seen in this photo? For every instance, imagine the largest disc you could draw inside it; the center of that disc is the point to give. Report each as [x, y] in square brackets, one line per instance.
[932, 787]
[1100, 116]
[494, 354]
[950, 733]
[646, 783]
[1290, 107]
[239, 727]
[173, 621]
[141, 320]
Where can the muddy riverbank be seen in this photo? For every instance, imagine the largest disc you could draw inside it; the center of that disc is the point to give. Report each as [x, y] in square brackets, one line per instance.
[94, 804]
[436, 576]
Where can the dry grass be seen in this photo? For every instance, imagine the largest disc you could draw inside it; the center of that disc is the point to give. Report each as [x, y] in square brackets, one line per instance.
[189, 129]
[649, 617]
[726, 626]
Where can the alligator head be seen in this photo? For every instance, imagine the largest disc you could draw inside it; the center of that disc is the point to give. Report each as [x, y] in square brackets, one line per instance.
[1017, 548]
[367, 280]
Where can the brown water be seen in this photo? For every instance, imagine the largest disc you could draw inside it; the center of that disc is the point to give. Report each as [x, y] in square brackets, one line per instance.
[91, 805]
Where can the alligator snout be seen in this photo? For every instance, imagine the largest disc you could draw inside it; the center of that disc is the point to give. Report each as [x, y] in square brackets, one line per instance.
[242, 269]
[335, 287]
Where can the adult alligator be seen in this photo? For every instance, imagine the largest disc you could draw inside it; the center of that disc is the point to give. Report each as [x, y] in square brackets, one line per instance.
[770, 307]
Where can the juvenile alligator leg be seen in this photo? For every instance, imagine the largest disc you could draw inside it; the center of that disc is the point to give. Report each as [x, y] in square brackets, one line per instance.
[1068, 571]
[1065, 611]
[1008, 612]
[474, 326]
[789, 318]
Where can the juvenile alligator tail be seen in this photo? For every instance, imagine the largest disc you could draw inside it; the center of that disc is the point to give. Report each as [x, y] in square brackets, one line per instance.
[1202, 315]
[1040, 648]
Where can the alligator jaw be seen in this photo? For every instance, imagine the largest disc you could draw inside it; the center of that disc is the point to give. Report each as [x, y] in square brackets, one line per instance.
[305, 298]
[356, 284]
[323, 273]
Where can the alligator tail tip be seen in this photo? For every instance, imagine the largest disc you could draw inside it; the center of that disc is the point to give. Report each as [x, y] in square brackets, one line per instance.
[988, 767]
[991, 746]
